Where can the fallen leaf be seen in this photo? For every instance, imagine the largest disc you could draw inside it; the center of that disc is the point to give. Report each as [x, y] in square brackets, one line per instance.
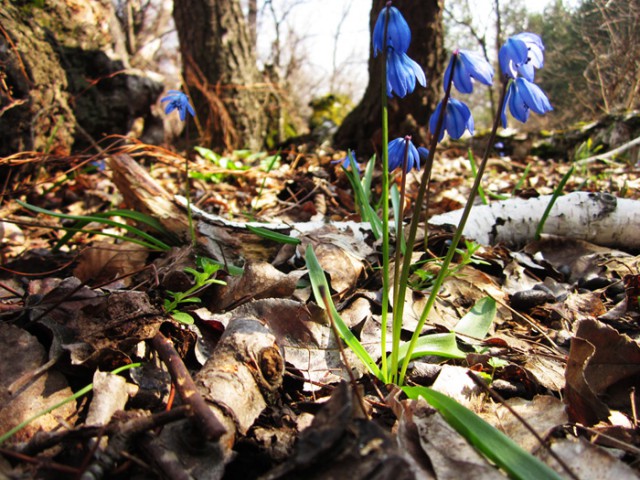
[20, 354]
[587, 461]
[602, 369]
[106, 262]
[543, 413]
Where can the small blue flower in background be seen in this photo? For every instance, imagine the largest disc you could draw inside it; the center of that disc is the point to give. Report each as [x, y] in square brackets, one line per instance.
[402, 73]
[178, 101]
[397, 149]
[470, 66]
[523, 96]
[346, 162]
[398, 32]
[457, 119]
[521, 54]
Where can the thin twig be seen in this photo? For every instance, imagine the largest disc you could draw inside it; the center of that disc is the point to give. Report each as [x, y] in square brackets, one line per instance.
[208, 423]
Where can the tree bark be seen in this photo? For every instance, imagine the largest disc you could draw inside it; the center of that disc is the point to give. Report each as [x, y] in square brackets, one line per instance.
[361, 129]
[219, 67]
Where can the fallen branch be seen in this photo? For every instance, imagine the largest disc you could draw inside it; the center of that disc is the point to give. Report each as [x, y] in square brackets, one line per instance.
[599, 218]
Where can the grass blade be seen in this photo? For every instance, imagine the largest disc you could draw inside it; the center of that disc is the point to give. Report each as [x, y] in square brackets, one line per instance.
[485, 438]
[556, 193]
[318, 283]
[157, 244]
[273, 236]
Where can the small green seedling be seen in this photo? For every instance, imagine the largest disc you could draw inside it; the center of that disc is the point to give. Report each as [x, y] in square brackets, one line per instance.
[200, 281]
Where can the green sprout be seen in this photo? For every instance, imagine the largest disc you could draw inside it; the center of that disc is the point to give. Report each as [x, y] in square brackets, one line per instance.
[201, 280]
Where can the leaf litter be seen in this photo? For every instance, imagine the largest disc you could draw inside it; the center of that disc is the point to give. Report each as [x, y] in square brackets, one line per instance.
[562, 350]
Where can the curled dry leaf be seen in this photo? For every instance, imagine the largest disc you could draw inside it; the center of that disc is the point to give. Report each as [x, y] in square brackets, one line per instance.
[93, 326]
[602, 369]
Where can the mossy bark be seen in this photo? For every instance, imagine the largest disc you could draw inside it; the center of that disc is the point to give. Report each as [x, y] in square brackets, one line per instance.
[57, 76]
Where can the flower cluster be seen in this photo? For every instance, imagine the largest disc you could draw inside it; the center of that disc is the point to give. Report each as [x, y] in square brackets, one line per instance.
[402, 71]
[467, 67]
[519, 57]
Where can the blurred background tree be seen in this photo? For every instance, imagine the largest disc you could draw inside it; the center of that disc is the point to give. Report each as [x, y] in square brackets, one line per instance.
[592, 64]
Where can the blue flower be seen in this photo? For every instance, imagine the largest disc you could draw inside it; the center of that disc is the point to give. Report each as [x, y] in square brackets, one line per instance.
[470, 66]
[424, 153]
[346, 162]
[457, 119]
[535, 57]
[521, 54]
[512, 54]
[523, 96]
[402, 73]
[398, 32]
[178, 101]
[397, 150]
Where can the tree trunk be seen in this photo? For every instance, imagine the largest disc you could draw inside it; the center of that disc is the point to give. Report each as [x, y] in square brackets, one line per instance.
[55, 77]
[361, 130]
[219, 67]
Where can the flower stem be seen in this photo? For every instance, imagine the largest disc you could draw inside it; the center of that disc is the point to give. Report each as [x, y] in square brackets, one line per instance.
[192, 230]
[398, 307]
[385, 207]
[444, 269]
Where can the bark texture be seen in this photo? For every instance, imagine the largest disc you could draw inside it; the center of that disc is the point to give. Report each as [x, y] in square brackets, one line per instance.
[361, 129]
[56, 76]
[219, 67]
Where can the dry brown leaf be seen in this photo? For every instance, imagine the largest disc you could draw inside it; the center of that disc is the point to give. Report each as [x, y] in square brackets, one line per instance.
[587, 461]
[450, 455]
[20, 354]
[106, 262]
[603, 366]
[259, 280]
[543, 413]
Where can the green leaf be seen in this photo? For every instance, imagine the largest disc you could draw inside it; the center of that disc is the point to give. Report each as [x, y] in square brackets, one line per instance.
[318, 283]
[439, 344]
[274, 236]
[99, 218]
[183, 318]
[485, 438]
[367, 178]
[190, 300]
[362, 199]
[477, 322]
[556, 193]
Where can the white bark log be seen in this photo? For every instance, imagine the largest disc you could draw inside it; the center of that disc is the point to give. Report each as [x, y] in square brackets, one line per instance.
[599, 218]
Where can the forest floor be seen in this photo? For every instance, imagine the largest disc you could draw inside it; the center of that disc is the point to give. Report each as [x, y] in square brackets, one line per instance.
[562, 349]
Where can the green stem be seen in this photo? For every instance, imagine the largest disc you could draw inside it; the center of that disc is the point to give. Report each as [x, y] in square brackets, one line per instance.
[398, 310]
[385, 205]
[456, 238]
[397, 323]
[192, 231]
[556, 193]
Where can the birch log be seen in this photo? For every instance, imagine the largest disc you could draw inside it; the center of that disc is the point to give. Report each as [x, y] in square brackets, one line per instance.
[598, 218]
